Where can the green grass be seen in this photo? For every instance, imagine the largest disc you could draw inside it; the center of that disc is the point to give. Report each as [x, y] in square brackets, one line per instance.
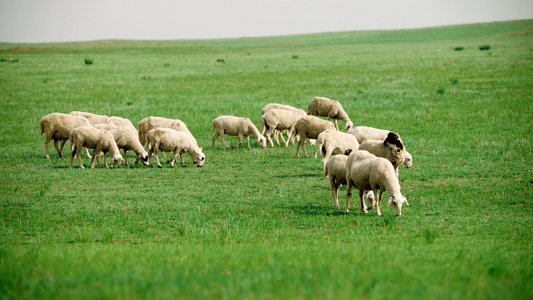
[261, 223]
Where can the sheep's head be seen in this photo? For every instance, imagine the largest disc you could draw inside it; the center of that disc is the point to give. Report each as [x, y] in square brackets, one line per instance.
[117, 160]
[144, 158]
[261, 140]
[408, 162]
[348, 126]
[393, 140]
[198, 159]
[397, 203]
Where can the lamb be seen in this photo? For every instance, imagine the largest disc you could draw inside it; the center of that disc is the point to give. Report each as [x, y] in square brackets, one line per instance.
[330, 142]
[280, 119]
[150, 123]
[335, 169]
[170, 140]
[57, 126]
[127, 139]
[363, 133]
[366, 172]
[93, 118]
[102, 141]
[392, 148]
[325, 107]
[309, 127]
[236, 126]
[279, 106]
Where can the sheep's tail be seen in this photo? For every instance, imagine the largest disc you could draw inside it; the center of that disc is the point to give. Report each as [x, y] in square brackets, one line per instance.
[41, 126]
[210, 132]
[263, 126]
[325, 171]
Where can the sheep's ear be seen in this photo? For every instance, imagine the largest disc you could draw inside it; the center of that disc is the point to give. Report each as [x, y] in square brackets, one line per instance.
[405, 201]
[200, 147]
[389, 202]
[348, 152]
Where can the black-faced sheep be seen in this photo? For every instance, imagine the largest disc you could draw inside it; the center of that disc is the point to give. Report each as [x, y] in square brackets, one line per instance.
[57, 127]
[366, 172]
[332, 109]
[102, 141]
[236, 126]
[392, 148]
[178, 142]
[309, 127]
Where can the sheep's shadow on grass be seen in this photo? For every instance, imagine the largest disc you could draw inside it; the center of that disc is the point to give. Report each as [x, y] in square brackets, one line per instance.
[317, 210]
[297, 175]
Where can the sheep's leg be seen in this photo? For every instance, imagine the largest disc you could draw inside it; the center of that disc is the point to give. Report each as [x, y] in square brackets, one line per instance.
[174, 158]
[214, 139]
[336, 125]
[334, 191]
[87, 152]
[378, 204]
[94, 158]
[73, 154]
[182, 161]
[305, 152]
[268, 133]
[281, 136]
[126, 158]
[155, 150]
[105, 160]
[301, 143]
[63, 142]
[248, 141]
[46, 144]
[59, 153]
[348, 194]
[289, 137]
[224, 142]
[361, 197]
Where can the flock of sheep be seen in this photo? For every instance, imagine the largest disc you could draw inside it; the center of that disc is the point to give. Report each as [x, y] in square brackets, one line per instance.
[364, 157]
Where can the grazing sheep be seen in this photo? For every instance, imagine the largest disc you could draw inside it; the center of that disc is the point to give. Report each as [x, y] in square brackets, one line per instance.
[363, 133]
[309, 127]
[150, 123]
[170, 140]
[57, 127]
[391, 148]
[127, 139]
[280, 119]
[236, 126]
[335, 169]
[366, 172]
[332, 109]
[331, 142]
[93, 118]
[102, 141]
[279, 106]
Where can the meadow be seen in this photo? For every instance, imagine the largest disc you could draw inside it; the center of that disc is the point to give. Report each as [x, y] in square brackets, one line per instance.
[260, 223]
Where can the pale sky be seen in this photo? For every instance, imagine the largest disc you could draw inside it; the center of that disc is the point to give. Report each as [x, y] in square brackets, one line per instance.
[37, 21]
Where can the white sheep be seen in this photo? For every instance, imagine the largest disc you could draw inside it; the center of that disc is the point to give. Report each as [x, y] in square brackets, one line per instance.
[331, 142]
[363, 133]
[93, 118]
[335, 169]
[236, 126]
[170, 140]
[280, 119]
[332, 109]
[119, 121]
[150, 123]
[367, 172]
[102, 141]
[57, 127]
[127, 139]
[279, 133]
[309, 127]
[392, 148]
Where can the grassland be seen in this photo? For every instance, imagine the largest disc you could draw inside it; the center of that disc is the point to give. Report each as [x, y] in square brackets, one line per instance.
[260, 224]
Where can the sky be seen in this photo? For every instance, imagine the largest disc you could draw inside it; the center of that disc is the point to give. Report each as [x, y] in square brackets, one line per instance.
[44, 21]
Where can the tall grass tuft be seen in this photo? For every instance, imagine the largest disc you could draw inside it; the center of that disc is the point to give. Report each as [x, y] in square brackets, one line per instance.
[88, 61]
[484, 47]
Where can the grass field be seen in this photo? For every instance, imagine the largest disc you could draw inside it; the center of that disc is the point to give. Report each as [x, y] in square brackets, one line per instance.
[260, 223]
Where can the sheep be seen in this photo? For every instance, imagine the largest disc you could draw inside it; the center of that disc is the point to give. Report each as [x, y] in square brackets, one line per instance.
[119, 121]
[127, 139]
[363, 133]
[236, 126]
[330, 142]
[325, 107]
[335, 169]
[170, 140]
[102, 141]
[366, 172]
[392, 148]
[150, 123]
[93, 118]
[309, 127]
[57, 127]
[279, 106]
[280, 119]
